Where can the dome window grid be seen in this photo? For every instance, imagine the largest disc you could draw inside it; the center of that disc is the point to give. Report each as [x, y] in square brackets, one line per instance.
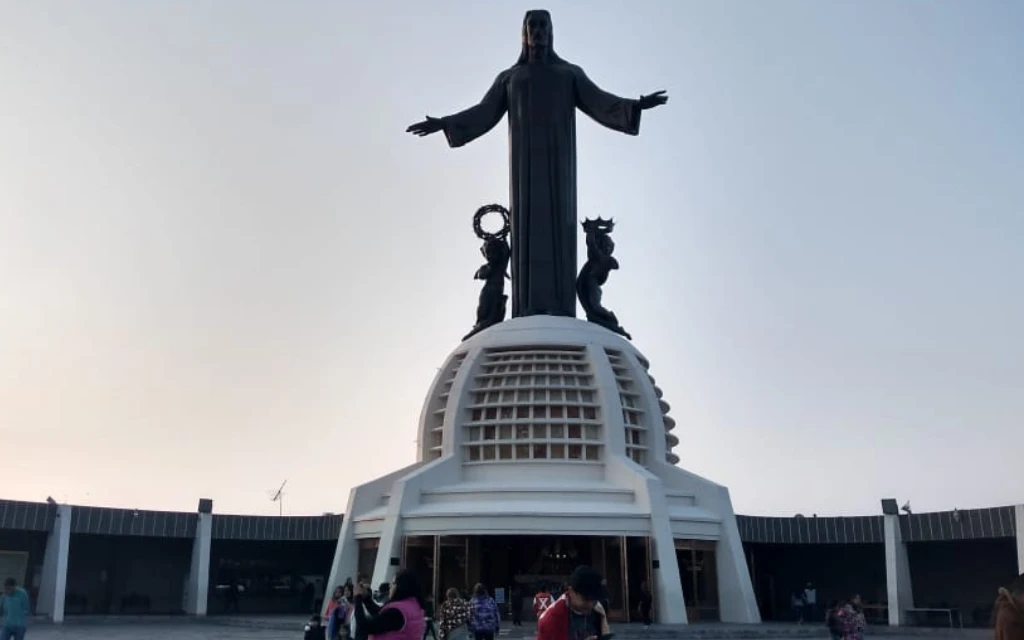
[436, 434]
[533, 404]
[633, 421]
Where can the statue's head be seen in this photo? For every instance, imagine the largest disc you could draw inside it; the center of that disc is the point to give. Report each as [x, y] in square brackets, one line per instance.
[495, 250]
[538, 35]
[537, 28]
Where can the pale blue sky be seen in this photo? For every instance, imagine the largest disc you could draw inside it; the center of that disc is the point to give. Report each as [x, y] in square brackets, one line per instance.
[223, 263]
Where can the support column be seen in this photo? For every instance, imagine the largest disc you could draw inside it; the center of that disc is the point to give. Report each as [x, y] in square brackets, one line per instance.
[624, 568]
[53, 585]
[1019, 517]
[198, 586]
[436, 578]
[897, 566]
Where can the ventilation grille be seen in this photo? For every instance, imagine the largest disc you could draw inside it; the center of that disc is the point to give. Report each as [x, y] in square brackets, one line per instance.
[533, 404]
[436, 434]
[633, 419]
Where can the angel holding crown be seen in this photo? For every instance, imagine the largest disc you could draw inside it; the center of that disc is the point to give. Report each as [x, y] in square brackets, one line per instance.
[594, 274]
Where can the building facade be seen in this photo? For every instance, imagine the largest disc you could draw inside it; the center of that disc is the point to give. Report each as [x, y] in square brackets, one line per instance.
[126, 562]
[544, 443]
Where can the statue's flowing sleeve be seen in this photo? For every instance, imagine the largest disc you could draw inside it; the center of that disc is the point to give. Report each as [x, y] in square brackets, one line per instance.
[619, 114]
[466, 126]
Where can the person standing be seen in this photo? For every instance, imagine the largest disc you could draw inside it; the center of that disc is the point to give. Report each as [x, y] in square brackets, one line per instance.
[646, 603]
[14, 610]
[339, 611]
[333, 604]
[400, 618]
[796, 601]
[428, 612]
[231, 597]
[484, 619]
[810, 603]
[515, 606]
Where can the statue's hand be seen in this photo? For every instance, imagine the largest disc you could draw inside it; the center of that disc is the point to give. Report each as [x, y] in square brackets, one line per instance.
[427, 127]
[655, 99]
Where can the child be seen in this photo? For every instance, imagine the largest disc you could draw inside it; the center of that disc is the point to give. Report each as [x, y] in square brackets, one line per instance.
[314, 630]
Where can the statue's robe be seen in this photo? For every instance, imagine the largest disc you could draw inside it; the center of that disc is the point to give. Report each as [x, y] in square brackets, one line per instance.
[541, 99]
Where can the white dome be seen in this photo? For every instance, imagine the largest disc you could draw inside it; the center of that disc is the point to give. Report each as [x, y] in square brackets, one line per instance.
[541, 426]
[545, 389]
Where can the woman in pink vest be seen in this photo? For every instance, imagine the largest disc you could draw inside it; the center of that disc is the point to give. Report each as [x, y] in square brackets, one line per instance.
[402, 618]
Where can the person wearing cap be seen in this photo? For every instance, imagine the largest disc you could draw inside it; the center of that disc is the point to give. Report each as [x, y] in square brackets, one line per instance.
[578, 614]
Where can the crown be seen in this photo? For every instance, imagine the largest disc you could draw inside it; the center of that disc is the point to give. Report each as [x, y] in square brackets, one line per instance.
[600, 225]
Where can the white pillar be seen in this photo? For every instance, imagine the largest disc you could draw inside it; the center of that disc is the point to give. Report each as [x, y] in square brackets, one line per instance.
[1019, 513]
[666, 584]
[897, 571]
[53, 585]
[649, 493]
[736, 600]
[198, 586]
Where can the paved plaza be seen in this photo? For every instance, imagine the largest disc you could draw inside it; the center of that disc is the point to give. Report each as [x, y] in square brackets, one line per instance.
[235, 630]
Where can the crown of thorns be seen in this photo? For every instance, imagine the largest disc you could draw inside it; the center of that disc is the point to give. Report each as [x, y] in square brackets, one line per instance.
[478, 217]
[600, 225]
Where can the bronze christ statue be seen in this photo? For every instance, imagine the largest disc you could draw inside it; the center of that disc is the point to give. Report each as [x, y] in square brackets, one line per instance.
[540, 93]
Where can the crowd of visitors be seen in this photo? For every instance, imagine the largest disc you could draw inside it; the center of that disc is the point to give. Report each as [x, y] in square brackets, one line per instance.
[400, 611]
[573, 611]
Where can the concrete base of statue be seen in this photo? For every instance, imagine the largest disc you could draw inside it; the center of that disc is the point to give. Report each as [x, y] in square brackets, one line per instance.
[551, 426]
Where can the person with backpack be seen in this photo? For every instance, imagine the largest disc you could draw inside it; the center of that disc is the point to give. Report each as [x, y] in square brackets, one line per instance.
[484, 619]
[541, 601]
[454, 616]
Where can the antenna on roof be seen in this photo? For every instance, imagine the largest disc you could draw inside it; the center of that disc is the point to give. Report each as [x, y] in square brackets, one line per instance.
[279, 498]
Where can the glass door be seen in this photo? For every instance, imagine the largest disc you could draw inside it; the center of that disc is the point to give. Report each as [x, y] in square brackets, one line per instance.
[638, 568]
[614, 559]
[454, 564]
[699, 577]
[418, 557]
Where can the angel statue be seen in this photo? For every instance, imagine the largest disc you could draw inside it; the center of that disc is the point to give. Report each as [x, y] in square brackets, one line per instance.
[594, 274]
